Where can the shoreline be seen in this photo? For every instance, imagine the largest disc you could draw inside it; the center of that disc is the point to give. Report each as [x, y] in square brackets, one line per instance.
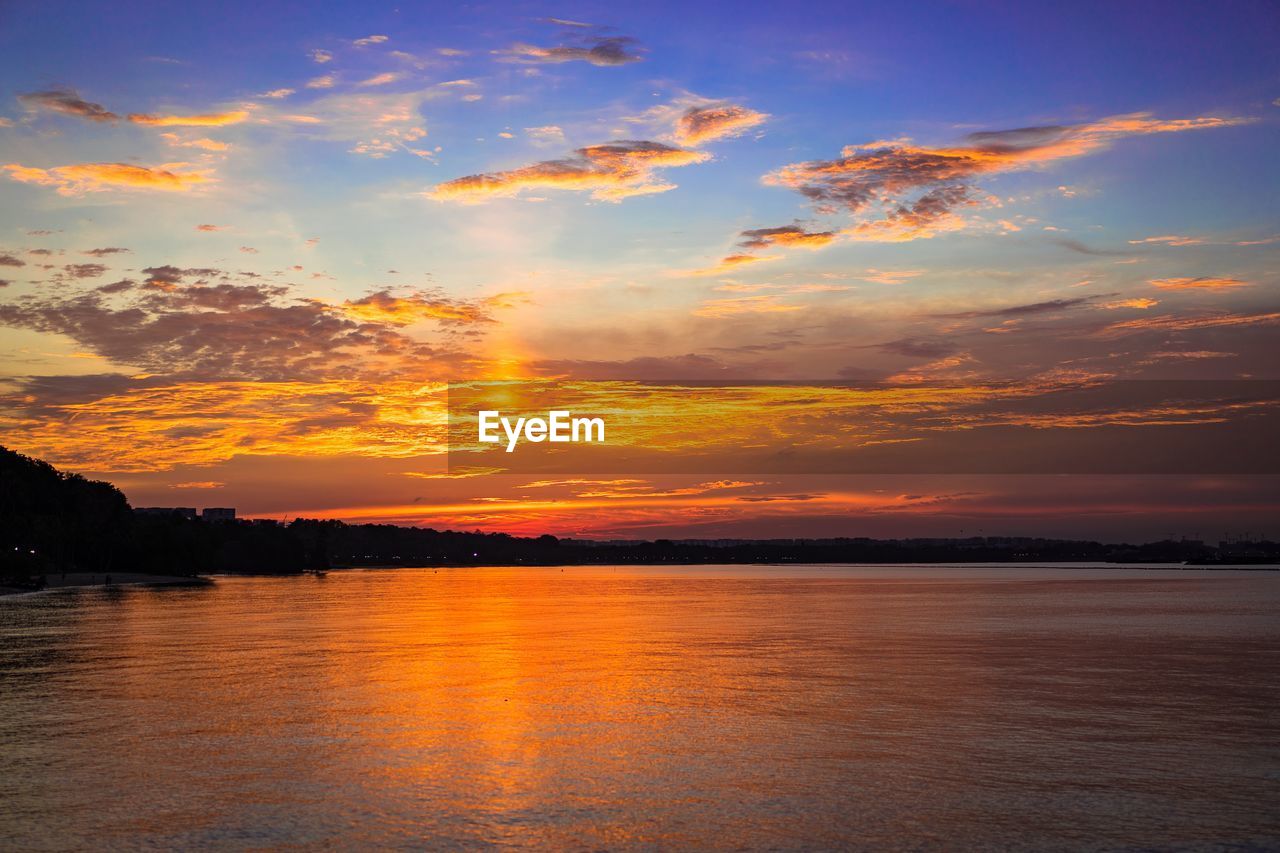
[96, 580]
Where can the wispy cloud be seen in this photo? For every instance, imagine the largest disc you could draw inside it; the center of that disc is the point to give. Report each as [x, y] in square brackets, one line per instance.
[83, 178]
[733, 306]
[599, 50]
[709, 123]
[785, 235]
[205, 120]
[381, 79]
[67, 102]
[1170, 240]
[885, 176]
[610, 172]
[730, 263]
[1200, 283]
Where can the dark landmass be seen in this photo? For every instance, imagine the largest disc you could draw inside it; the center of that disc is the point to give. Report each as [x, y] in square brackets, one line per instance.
[52, 522]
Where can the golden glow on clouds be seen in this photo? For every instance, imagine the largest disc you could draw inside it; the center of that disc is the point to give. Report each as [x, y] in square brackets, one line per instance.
[95, 177]
[205, 120]
[765, 304]
[708, 124]
[882, 175]
[384, 307]
[205, 423]
[610, 172]
[1201, 283]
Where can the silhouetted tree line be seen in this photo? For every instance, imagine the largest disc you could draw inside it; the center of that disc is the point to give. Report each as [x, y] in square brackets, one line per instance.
[52, 521]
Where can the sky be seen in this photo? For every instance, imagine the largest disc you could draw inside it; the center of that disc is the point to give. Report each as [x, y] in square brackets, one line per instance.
[244, 248]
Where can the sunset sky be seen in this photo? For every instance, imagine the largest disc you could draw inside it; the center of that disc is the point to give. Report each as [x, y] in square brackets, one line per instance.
[244, 247]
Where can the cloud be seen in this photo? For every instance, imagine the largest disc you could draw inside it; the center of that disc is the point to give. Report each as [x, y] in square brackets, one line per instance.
[889, 276]
[733, 306]
[321, 56]
[84, 270]
[368, 40]
[204, 143]
[220, 329]
[886, 176]
[732, 262]
[67, 102]
[1201, 283]
[7, 260]
[598, 50]
[610, 172]
[208, 227]
[1170, 240]
[324, 82]
[198, 484]
[1139, 302]
[1169, 323]
[1082, 249]
[380, 79]
[96, 177]
[710, 123]
[205, 120]
[680, 367]
[375, 123]
[164, 277]
[1046, 307]
[932, 348]
[385, 307]
[785, 235]
[546, 135]
[277, 94]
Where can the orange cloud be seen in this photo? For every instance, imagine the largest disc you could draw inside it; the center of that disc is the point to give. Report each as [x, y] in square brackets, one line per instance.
[766, 304]
[708, 124]
[221, 420]
[206, 120]
[205, 144]
[96, 177]
[383, 307]
[1170, 323]
[1201, 283]
[885, 175]
[786, 235]
[1140, 302]
[733, 262]
[610, 172]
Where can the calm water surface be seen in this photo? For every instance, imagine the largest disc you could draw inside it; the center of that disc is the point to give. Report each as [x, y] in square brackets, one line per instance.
[728, 708]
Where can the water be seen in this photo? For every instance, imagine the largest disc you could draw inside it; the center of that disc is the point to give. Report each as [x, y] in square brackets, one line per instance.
[726, 708]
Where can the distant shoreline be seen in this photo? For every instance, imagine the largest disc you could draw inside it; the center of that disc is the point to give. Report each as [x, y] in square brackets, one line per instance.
[97, 580]
[990, 564]
[91, 580]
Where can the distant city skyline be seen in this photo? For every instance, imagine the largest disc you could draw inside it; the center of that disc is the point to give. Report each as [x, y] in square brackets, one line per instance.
[243, 249]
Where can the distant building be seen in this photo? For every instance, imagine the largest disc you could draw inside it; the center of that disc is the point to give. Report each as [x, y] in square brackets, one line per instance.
[182, 511]
[218, 513]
